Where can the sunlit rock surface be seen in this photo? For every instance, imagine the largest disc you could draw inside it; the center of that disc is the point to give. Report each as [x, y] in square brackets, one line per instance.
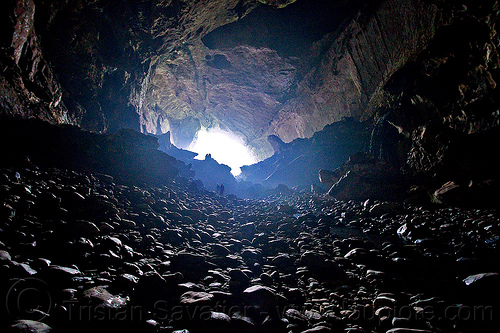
[251, 83]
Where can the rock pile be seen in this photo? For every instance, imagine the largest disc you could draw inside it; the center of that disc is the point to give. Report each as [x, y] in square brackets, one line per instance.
[80, 252]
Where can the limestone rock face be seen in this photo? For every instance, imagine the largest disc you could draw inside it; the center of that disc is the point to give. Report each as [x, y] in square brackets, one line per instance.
[28, 86]
[257, 68]
[256, 86]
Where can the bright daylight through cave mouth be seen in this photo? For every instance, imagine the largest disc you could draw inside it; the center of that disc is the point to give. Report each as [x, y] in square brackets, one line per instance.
[225, 147]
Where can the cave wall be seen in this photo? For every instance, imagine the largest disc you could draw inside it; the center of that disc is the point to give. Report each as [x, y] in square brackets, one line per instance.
[28, 85]
[444, 103]
[256, 68]
[86, 62]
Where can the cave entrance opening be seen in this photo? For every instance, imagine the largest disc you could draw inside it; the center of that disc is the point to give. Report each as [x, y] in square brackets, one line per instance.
[225, 147]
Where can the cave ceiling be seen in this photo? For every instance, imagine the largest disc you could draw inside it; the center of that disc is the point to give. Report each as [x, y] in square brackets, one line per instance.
[254, 68]
[285, 71]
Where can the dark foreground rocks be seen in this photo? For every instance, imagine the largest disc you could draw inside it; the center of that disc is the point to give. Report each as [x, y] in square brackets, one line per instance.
[80, 252]
[127, 155]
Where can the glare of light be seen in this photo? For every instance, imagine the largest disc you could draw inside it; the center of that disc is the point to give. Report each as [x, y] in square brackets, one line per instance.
[225, 147]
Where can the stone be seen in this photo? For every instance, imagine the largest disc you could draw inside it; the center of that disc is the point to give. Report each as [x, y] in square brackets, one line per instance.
[242, 323]
[5, 257]
[101, 297]
[29, 326]
[401, 322]
[318, 329]
[23, 269]
[126, 281]
[283, 261]
[407, 330]
[482, 278]
[63, 272]
[260, 296]
[287, 209]
[220, 250]
[483, 287]
[237, 275]
[218, 321]
[383, 208]
[196, 298]
[128, 223]
[381, 301]
[320, 265]
[84, 228]
[295, 316]
[328, 177]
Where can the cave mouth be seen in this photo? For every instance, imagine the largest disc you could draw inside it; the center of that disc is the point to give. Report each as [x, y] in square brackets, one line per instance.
[224, 147]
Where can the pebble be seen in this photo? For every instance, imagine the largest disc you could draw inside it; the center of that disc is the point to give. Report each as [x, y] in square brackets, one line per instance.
[313, 265]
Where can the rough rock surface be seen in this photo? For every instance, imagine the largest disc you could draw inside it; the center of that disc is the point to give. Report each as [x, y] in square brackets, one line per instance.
[364, 177]
[427, 72]
[170, 259]
[297, 163]
[177, 66]
[28, 85]
[256, 89]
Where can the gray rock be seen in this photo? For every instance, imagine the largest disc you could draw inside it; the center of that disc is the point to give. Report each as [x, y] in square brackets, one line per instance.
[237, 275]
[218, 321]
[196, 298]
[23, 269]
[84, 228]
[283, 261]
[295, 316]
[101, 297]
[381, 301]
[220, 250]
[5, 256]
[63, 272]
[241, 323]
[260, 296]
[383, 208]
[318, 329]
[482, 278]
[407, 330]
[29, 326]
[321, 265]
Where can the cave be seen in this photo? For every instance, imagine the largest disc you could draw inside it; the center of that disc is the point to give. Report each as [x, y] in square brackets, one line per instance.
[289, 166]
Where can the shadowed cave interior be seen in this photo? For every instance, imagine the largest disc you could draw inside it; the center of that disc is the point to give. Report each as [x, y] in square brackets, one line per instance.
[234, 166]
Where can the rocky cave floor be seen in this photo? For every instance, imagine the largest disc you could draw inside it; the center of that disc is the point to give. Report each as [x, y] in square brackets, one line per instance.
[80, 253]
